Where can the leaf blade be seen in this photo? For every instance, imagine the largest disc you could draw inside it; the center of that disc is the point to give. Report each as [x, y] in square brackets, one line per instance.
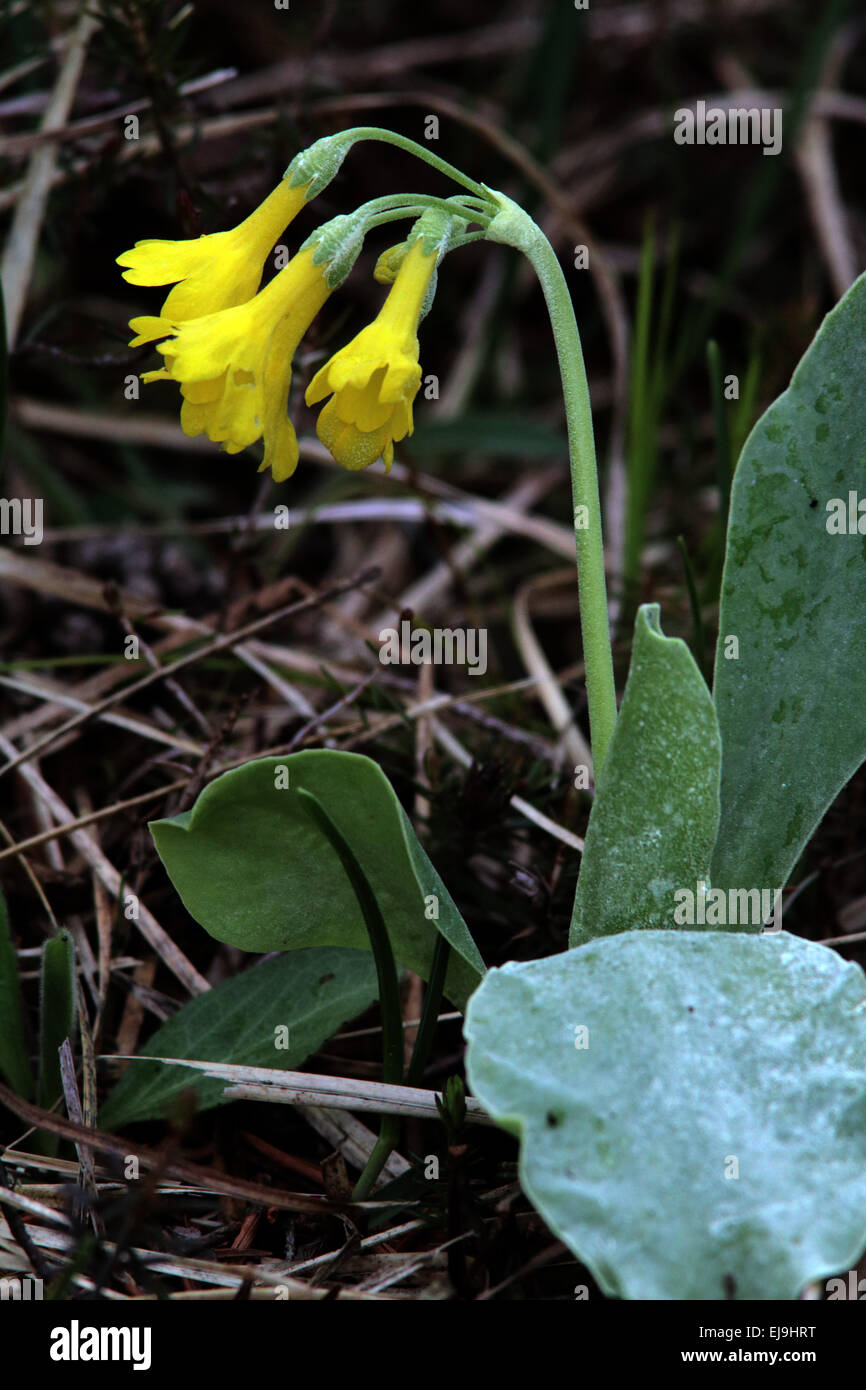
[700, 1050]
[57, 1012]
[793, 593]
[656, 809]
[241, 861]
[311, 992]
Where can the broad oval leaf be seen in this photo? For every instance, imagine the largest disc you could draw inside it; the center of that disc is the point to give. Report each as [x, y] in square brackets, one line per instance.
[709, 1139]
[254, 870]
[656, 809]
[309, 993]
[790, 702]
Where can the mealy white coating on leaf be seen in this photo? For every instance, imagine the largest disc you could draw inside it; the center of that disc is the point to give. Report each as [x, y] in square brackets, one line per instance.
[702, 1046]
[655, 814]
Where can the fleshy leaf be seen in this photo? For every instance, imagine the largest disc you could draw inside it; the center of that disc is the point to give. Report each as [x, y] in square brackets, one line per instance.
[255, 871]
[656, 810]
[310, 993]
[790, 703]
[705, 1138]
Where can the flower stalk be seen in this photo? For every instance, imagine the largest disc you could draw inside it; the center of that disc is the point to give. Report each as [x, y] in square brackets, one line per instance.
[514, 227]
[332, 150]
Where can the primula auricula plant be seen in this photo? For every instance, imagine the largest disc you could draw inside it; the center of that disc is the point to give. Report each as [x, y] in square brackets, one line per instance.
[688, 1085]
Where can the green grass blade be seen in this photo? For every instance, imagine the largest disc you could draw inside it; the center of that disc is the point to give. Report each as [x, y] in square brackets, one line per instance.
[14, 1062]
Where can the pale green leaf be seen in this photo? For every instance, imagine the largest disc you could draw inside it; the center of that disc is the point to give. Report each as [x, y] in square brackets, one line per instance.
[709, 1141]
[656, 809]
[790, 703]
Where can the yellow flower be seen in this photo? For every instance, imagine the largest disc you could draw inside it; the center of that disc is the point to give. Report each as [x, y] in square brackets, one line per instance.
[235, 367]
[375, 378]
[217, 271]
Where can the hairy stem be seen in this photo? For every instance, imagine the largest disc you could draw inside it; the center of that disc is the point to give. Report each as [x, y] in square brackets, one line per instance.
[514, 227]
[390, 137]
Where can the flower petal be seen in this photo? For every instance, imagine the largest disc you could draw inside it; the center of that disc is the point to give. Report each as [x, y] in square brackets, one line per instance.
[351, 447]
[147, 328]
[163, 262]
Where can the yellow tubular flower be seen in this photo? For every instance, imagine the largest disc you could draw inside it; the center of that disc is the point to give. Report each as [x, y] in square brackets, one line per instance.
[217, 271]
[375, 378]
[235, 367]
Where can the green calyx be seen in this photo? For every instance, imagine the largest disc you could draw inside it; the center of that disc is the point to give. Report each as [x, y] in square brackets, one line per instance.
[438, 232]
[338, 244]
[434, 229]
[317, 165]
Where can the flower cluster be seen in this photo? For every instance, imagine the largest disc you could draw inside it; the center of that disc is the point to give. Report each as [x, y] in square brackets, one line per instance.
[230, 345]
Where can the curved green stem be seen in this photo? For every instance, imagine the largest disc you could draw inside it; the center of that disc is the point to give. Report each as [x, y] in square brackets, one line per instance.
[389, 1134]
[466, 238]
[514, 227]
[379, 219]
[390, 137]
[405, 204]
